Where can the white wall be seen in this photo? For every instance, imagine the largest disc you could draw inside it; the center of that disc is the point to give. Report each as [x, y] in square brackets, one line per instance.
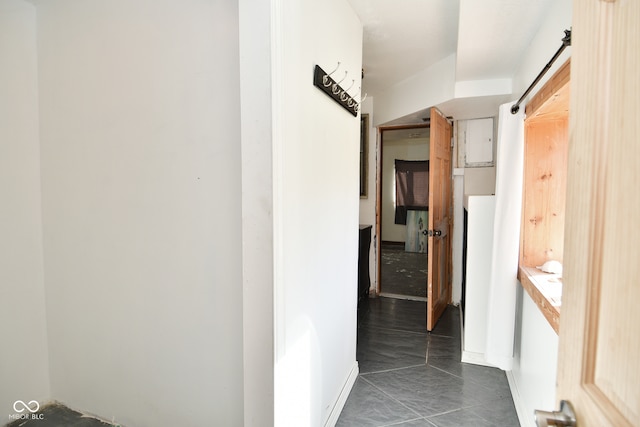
[481, 212]
[457, 235]
[316, 157]
[536, 344]
[418, 92]
[368, 205]
[140, 130]
[467, 181]
[24, 370]
[408, 149]
[543, 46]
[533, 378]
[480, 181]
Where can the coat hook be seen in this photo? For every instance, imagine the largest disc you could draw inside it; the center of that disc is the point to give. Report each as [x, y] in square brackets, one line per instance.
[336, 86]
[357, 107]
[351, 102]
[344, 95]
[325, 78]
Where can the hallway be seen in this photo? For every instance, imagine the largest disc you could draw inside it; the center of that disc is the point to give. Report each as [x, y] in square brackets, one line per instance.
[395, 386]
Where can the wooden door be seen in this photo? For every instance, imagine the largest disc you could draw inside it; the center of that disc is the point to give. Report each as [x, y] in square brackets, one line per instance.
[439, 244]
[599, 363]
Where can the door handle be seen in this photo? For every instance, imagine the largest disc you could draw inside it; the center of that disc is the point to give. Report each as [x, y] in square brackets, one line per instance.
[564, 417]
[432, 233]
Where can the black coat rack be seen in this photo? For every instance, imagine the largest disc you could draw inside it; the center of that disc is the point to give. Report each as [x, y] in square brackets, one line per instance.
[331, 88]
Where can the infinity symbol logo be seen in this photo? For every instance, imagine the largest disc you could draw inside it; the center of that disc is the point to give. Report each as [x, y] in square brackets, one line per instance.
[19, 403]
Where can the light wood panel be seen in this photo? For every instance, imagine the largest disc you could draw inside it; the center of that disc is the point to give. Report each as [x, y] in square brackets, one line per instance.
[544, 192]
[440, 202]
[552, 100]
[599, 370]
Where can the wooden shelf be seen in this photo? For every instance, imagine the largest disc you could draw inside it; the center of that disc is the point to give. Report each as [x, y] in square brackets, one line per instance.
[545, 290]
[552, 100]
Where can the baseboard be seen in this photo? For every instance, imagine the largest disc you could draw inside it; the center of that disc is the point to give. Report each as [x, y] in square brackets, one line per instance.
[342, 397]
[461, 327]
[84, 414]
[526, 419]
[475, 359]
[471, 357]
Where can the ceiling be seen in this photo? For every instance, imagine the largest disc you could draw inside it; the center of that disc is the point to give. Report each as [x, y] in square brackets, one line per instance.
[488, 37]
[414, 135]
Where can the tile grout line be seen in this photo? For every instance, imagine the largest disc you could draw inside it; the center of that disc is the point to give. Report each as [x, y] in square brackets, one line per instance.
[408, 421]
[425, 333]
[400, 422]
[441, 336]
[463, 408]
[426, 354]
[478, 415]
[453, 375]
[474, 381]
[432, 350]
[391, 370]
[391, 397]
[450, 373]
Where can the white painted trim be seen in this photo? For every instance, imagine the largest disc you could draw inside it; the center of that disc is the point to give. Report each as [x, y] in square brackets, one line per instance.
[526, 420]
[342, 398]
[475, 358]
[472, 357]
[461, 329]
[457, 235]
[277, 161]
[256, 72]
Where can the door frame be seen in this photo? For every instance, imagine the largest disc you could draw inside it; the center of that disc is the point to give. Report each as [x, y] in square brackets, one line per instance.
[380, 154]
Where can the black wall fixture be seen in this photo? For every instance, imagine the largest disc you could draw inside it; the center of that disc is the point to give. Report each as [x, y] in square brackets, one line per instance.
[331, 88]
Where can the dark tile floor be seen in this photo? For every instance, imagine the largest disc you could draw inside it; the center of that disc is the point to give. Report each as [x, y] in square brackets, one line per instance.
[403, 273]
[409, 377]
[56, 415]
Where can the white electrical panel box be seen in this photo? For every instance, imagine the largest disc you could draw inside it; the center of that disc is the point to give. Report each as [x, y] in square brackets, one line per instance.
[479, 143]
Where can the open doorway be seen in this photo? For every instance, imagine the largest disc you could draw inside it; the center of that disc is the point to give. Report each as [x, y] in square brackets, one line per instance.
[403, 210]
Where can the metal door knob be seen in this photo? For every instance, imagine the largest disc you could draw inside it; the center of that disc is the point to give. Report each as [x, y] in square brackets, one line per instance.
[564, 417]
